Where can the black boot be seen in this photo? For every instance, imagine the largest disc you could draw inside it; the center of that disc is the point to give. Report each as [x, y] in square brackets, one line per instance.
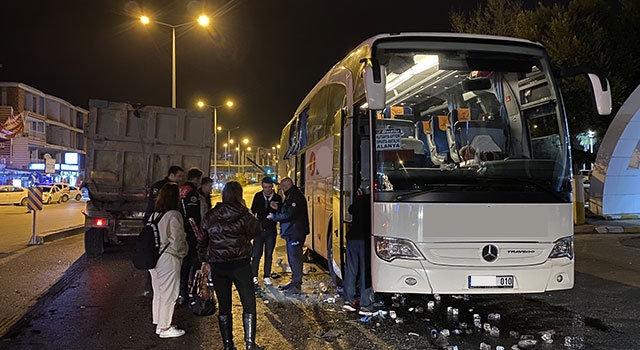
[226, 330]
[249, 323]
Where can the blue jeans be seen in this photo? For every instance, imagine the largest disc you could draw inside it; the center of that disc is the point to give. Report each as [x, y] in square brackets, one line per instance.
[358, 266]
[294, 255]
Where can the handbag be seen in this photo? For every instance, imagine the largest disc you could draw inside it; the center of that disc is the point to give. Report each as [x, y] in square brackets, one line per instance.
[203, 302]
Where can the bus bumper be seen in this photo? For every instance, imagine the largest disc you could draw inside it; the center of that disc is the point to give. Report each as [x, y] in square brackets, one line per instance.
[421, 277]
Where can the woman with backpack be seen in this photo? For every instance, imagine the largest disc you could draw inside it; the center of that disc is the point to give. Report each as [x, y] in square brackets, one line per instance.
[225, 251]
[165, 277]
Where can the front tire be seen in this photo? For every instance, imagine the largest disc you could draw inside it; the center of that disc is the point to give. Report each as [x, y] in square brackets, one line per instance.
[78, 197]
[65, 198]
[24, 202]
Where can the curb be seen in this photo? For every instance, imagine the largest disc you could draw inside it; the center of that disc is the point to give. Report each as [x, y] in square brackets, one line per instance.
[585, 229]
[55, 235]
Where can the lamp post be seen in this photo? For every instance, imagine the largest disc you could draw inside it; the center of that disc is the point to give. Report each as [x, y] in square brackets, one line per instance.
[201, 104]
[276, 148]
[202, 20]
[244, 161]
[230, 142]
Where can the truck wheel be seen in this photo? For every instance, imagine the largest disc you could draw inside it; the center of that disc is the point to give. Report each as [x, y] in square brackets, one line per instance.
[94, 241]
[24, 201]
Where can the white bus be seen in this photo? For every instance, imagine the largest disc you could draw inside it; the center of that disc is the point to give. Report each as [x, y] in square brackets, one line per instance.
[463, 142]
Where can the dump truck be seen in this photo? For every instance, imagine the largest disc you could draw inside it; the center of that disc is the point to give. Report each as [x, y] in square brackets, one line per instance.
[128, 148]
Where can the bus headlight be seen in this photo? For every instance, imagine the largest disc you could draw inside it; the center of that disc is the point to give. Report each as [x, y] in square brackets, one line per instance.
[563, 248]
[388, 249]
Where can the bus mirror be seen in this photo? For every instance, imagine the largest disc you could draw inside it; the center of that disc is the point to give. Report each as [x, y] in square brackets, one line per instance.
[599, 86]
[375, 86]
[476, 84]
[601, 93]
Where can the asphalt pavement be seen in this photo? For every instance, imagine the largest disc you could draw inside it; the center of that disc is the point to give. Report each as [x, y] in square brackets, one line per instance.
[27, 282]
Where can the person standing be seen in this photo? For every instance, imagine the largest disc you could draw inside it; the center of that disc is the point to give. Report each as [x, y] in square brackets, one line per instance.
[294, 227]
[204, 192]
[165, 277]
[266, 240]
[190, 210]
[225, 251]
[359, 253]
[175, 174]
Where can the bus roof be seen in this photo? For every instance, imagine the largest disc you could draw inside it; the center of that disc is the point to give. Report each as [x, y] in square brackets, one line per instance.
[368, 43]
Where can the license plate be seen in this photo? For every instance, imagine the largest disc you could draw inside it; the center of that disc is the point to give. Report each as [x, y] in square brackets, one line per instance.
[490, 281]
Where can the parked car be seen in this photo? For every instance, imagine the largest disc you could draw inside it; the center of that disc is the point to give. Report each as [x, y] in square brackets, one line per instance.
[51, 194]
[75, 192]
[64, 190]
[13, 195]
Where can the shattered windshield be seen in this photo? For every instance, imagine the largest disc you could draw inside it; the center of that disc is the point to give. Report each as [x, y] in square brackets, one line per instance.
[480, 123]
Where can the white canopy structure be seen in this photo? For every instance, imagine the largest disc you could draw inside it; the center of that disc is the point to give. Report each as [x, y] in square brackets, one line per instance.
[615, 180]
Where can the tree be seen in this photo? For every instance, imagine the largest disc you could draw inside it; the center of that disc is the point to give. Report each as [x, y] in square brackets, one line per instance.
[584, 33]
[498, 17]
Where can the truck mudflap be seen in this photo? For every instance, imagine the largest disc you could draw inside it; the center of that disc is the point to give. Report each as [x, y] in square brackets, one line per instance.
[94, 241]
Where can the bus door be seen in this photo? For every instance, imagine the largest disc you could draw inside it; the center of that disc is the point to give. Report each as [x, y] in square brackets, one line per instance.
[318, 173]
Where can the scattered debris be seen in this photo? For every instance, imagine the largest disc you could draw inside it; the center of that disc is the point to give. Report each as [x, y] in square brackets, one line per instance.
[330, 336]
[308, 269]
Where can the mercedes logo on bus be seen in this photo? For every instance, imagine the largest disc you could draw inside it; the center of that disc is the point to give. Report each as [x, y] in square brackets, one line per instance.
[490, 253]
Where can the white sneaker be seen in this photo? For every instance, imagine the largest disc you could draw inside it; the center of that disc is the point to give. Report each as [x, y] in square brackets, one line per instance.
[172, 332]
[255, 280]
[267, 281]
[159, 329]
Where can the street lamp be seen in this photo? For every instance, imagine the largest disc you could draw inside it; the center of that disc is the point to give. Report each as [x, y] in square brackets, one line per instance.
[230, 143]
[202, 20]
[276, 148]
[244, 162]
[591, 135]
[229, 104]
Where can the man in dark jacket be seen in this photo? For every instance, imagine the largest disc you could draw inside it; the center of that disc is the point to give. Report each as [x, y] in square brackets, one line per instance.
[266, 240]
[190, 205]
[175, 174]
[359, 253]
[294, 227]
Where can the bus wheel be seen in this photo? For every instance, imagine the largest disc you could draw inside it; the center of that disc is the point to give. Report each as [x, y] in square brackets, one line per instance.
[332, 266]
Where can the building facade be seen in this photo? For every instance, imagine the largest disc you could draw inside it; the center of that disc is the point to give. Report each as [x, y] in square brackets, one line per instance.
[51, 147]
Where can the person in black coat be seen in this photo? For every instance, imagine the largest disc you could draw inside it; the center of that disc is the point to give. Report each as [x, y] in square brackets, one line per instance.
[190, 205]
[175, 174]
[358, 267]
[225, 251]
[294, 227]
[266, 240]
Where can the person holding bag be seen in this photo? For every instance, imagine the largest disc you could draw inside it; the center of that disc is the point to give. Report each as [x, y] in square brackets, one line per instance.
[165, 277]
[225, 251]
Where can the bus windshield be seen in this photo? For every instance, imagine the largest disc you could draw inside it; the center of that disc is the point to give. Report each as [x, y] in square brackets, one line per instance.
[481, 124]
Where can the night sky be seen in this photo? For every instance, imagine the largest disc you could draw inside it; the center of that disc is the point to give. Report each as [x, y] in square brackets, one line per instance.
[265, 55]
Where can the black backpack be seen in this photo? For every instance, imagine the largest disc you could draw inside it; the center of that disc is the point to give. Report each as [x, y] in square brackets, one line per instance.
[147, 251]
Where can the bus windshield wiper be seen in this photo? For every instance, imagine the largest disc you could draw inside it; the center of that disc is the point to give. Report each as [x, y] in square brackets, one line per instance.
[418, 192]
[522, 182]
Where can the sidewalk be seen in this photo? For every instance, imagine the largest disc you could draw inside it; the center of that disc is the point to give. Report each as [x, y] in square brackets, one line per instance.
[596, 224]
